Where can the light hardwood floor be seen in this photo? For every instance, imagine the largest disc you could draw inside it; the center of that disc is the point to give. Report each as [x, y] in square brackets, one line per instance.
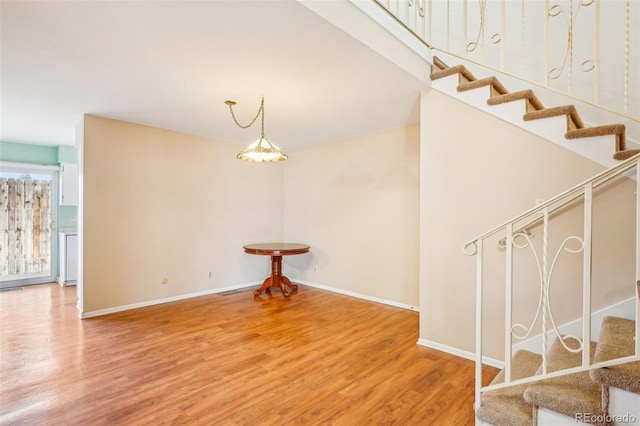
[318, 358]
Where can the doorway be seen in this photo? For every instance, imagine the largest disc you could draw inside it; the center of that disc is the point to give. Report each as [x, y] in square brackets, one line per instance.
[28, 237]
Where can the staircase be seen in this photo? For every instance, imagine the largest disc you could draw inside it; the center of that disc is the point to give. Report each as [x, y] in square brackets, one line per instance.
[568, 391]
[573, 379]
[534, 109]
[602, 386]
[589, 397]
[563, 384]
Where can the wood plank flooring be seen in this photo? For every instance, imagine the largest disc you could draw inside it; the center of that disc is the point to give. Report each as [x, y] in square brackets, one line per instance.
[318, 358]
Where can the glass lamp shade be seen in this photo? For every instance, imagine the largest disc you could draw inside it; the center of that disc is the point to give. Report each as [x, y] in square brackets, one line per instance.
[262, 150]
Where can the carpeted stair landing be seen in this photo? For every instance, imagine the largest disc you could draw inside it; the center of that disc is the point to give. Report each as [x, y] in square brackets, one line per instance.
[585, 392]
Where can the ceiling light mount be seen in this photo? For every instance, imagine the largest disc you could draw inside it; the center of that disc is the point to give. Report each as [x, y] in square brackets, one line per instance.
[262, 150]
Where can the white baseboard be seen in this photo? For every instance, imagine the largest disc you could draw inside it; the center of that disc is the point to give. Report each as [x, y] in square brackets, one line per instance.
[460, 353]
[122, 308]
[360, 296]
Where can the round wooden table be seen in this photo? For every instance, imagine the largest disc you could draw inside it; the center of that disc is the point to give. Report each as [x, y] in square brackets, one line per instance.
[276, 251]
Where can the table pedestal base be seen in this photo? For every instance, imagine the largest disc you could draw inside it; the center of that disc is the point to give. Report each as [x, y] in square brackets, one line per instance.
[276, 279]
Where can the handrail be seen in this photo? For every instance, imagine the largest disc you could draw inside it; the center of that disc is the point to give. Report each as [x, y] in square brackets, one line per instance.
[596, 180]
[545, 262]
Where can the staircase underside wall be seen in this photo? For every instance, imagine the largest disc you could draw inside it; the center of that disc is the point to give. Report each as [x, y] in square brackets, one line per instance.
[478, 171]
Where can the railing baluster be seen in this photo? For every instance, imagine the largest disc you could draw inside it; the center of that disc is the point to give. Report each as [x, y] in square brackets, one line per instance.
[429, 21]
[545, 70]
[503, 33]
[596, 55]
[508, 337]
[479, 273]
[465, 29]
[545, 287]
[586, 275]
[638, 257]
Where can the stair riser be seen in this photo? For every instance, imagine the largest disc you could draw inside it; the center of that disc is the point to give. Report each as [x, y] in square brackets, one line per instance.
[551, 418]
[624, 405]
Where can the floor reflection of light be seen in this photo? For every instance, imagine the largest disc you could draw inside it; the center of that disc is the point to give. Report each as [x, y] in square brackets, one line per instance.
[18, 413]
[42, 352]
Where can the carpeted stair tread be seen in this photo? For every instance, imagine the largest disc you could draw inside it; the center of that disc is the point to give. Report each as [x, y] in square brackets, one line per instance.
[505, 412]
[616, 341]
[587, 132]
[496, 87]
[569, 394]
[441, 70]
[625, 154]
[534, 108]
[573, 119]
[507, 406]
[439, 63]
[533, 103]
[618, 130]
[463, 73]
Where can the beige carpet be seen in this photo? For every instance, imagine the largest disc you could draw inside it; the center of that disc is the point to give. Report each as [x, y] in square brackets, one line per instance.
[507, 407]
[570, 394]
[573, 394]
[616, 341]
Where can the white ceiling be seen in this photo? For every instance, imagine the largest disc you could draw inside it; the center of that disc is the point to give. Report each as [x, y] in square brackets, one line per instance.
[172, 64]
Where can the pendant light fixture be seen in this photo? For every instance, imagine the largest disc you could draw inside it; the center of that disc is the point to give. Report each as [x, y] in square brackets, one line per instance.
[262, 150]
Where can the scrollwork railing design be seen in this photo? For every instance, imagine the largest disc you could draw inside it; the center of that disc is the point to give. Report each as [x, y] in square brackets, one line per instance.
[570, 19]
[555, 44]
[544, 302]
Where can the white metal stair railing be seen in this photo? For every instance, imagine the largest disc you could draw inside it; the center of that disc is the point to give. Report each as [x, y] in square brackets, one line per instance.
[557, 45]
[516, 236]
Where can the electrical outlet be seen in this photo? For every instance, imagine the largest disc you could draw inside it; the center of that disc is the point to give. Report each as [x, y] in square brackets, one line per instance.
[210, 275]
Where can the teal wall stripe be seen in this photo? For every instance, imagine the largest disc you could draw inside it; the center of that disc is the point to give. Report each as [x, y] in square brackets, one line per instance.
[26, 153]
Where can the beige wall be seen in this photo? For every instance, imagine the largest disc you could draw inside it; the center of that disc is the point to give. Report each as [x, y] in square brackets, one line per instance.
[163, 204]
[476, 173]
[355, 201]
